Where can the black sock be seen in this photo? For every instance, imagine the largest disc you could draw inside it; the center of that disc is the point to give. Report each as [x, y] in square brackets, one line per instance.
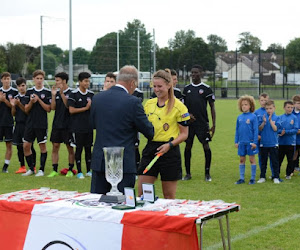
[33, 155]
[5, 166]
[55, 167]
[29, 162]
[78, 158]
[43, 161]
[78, 164]
[21, 155]
[88, 156]
[207, 154]
[71, 166]
[187, 160]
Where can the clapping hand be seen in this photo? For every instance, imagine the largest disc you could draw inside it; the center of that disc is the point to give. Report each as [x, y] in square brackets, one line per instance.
[282, 132]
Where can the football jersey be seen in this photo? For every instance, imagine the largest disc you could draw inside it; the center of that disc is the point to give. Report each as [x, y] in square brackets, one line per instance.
[80, 122]
[196, 98]
[139, 94]
[37, 117]
[20, 116]
[166, 125]
[6, 118]
[178, 94]
[62, 116]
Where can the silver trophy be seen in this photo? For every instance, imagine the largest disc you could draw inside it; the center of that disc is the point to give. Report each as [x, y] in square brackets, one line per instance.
[114, 170]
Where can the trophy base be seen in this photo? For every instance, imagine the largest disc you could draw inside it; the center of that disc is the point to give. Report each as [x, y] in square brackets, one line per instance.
[112, 198]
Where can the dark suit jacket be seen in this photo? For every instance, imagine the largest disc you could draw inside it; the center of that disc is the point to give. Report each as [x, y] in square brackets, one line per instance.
[117, 116]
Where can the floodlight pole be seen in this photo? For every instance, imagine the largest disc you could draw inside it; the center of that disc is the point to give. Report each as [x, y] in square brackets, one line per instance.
[70, 45]
[154, 52]
[42, 51]
[118, 52]
[138, 50]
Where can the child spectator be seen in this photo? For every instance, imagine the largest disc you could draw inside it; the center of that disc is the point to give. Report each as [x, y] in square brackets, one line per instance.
[79, 104]
[269, 142]
[263, 98]
[246, 136]
[296, 112]
[18, 110]
[287, 137]
[6, 120]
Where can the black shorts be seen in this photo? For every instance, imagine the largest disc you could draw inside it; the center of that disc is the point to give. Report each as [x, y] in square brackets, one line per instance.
[6, 133]
[61, 136]
[202, 134]
[18, 134]
[40, 134]
[82, 139]
[168, 165]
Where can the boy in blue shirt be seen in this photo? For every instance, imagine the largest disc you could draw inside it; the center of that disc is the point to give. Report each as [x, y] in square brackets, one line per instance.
[296, 112]
[260, 113]
[246, 136]
[287, 137]
[269, 142]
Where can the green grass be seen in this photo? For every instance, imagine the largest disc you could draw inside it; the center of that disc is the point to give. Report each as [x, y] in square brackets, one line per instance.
[269, 216]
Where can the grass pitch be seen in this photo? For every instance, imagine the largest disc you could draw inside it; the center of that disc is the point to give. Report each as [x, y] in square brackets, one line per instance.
[270, 213]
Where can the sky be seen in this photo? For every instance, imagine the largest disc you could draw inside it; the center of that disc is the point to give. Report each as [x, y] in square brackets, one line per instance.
[270, 21]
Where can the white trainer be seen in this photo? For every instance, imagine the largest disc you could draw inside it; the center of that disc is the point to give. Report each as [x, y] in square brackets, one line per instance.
[39, 173]
[276, 181]
[261, 180]
[29, 172]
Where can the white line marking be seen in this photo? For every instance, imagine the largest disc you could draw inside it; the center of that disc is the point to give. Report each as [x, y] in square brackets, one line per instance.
[255, 230]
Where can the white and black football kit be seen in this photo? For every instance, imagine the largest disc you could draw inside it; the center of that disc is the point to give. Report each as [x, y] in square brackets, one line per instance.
[61, 123]
[6, 118]
[37, 121]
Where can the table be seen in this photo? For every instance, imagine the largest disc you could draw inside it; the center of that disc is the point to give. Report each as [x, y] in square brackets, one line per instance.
[78, 221]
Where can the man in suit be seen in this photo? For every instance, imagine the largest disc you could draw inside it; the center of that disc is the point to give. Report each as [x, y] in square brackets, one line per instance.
[117, 116]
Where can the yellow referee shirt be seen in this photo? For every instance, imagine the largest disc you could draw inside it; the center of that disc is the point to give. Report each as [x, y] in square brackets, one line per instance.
[166, 125]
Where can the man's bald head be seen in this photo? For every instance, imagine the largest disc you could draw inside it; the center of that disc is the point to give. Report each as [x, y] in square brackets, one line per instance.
[128, 77]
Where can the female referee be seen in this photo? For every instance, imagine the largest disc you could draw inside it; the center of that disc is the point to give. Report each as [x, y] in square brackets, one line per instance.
[169, 117]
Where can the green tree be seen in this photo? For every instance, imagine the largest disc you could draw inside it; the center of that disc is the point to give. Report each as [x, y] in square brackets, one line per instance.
[217, 43]
[56, 51]
[29, 65]
[275, 47]
[181, 38]
[248, 42]
[197, 51]
[293, 55]
[3, 65]
[16, 56]
[103, 57]
[128, 45]
[80, 56]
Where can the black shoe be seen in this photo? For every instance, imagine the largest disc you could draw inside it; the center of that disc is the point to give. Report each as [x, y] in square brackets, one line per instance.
[207, 177]
[187, 177]
[4, 170]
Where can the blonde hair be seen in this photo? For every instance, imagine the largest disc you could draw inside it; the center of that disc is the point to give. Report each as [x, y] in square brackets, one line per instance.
[249, 99]
[167, 77]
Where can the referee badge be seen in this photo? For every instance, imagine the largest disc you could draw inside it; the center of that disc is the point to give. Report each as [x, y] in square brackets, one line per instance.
[166, 126]
[201, 91]
[42, 96]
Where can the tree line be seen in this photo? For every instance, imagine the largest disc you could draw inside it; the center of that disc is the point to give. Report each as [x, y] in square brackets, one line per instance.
[184, 50]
